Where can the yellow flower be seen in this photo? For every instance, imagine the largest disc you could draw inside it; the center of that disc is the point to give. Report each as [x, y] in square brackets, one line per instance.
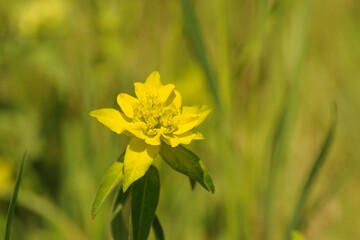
[155, 117]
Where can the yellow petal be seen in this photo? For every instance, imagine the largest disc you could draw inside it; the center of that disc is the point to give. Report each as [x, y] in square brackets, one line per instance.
[126, 102]
[135, 129]
[155, 140]
[201, 111]
[165, 92]
[185, 123]
[111, 118]
[177, 99]
[137, 160]
[153, 80]
[195, 109]
[141, 91]
[185, 138]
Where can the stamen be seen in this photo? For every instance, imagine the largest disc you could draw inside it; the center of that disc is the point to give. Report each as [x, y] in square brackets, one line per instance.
[155, 115]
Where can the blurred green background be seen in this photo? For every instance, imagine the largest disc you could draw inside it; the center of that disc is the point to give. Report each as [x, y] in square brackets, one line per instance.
[271, 70]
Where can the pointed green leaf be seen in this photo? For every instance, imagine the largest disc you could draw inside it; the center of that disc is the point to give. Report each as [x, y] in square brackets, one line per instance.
[119, 226]
[186, 162]
[13, 201]
[111, 178]
[145, 197]
[159, 233]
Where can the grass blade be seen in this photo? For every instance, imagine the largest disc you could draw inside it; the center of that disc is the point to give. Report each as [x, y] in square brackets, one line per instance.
[318, 163]
[193, 30]
[334, 187]
[13, 201]
[281, 137]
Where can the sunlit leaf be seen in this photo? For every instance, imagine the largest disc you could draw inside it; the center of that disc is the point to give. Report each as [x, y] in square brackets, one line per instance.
[111, 178]
[13, 201]
[186, 162]
[145, 197]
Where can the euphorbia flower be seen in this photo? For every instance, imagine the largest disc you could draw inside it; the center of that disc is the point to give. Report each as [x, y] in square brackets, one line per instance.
[155, 117]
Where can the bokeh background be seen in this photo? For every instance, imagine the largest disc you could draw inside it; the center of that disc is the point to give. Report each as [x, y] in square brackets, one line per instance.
[271, 70]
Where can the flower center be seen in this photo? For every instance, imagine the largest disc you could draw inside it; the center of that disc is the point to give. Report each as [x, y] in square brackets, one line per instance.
[156, 116]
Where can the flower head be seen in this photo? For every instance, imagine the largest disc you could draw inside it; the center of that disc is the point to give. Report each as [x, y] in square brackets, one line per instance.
[154, 117]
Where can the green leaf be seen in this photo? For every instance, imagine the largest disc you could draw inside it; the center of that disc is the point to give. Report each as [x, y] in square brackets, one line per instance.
[145, 197]
[119, 227]
[159, 233]
[13, 201]
[186, 162]
[192, 184]
[111, 178]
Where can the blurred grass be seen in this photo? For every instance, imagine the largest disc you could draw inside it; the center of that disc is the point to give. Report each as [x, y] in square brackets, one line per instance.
[310, 180]
[274, 67]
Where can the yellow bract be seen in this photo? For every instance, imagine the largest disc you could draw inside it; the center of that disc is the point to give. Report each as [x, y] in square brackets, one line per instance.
[153, 117]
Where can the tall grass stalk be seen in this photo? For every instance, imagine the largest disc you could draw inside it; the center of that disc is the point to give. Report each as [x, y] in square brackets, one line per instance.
[13, 200]
[222, 94]
[194, 33]
[309, 183]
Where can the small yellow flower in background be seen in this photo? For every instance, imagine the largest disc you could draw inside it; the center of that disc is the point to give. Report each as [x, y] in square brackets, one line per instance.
[36, 14]
[6, 175]
[295, 235]
[155, 117]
